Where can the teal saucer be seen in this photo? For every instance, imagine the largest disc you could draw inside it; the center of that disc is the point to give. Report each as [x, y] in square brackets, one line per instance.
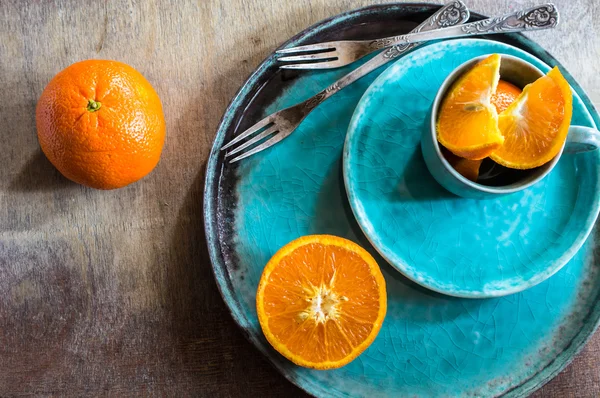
[460, 247]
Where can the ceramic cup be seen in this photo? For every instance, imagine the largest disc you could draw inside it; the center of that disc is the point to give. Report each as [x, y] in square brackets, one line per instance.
[520, 73]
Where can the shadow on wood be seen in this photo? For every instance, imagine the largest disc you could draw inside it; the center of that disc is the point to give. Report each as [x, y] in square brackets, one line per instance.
[204, 338]
[39, 174]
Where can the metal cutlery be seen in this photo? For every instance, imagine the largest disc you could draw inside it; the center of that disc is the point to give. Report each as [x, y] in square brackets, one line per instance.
[335, 54]
[281, 124]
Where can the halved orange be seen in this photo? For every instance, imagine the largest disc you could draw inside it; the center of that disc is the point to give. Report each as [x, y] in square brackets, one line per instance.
[321, 301]
[535, 126]
[468, 123]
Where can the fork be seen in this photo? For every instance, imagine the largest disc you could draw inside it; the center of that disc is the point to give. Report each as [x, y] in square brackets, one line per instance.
[335, 54]
[281, 124]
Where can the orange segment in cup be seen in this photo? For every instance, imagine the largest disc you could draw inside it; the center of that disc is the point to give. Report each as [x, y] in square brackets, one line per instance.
[465, 167]
[468, 122]
[535, 126]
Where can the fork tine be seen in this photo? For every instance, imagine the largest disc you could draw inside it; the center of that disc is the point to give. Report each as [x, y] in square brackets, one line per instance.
[317, 65]
[249, 131]
[314, 57]
[310, 47]
[272, 141]
[266, 133]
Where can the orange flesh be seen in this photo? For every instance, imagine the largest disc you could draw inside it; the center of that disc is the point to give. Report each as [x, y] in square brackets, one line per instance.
[320, 305]
[535, 126]
[506, 93]
[467, 122]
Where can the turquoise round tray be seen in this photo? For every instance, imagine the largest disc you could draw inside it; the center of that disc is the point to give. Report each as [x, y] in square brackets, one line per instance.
[430, 344]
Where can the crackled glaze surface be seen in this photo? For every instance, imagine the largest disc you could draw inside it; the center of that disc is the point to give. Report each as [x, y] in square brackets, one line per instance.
[461, 247]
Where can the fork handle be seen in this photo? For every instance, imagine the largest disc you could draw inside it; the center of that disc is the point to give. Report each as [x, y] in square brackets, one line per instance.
[451, 14]
[536, 18]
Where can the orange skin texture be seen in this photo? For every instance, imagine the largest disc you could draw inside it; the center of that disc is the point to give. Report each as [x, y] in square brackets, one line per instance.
[108, 148]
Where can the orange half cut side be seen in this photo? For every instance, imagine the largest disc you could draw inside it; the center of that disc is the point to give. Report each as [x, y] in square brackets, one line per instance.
[321, 301]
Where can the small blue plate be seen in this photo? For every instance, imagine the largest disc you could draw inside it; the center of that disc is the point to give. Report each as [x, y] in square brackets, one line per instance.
[460, 247]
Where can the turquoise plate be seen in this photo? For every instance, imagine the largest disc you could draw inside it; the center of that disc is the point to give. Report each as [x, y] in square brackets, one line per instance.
[430, 344]
[461, 247]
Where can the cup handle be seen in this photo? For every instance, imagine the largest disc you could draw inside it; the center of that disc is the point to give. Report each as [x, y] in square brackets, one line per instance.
[582, 139]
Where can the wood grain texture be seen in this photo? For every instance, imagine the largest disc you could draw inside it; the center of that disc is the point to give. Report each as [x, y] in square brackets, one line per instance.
[111, 293]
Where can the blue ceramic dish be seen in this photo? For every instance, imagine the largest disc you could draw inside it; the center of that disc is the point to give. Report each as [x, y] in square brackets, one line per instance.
[430, 344]
[461, 247]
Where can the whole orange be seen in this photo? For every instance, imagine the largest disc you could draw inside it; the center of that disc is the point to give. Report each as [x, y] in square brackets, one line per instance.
[101, 124]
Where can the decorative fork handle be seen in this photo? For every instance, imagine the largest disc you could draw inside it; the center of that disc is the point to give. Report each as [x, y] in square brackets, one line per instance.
[454, 13]
[537, 18]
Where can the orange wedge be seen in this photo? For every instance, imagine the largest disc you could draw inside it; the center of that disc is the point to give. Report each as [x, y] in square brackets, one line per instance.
[535, 126]
[465, 167]
[321, 301]
[468, 123]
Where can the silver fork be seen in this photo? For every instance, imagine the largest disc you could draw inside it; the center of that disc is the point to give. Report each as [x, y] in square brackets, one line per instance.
[335, 54]
[281, 124]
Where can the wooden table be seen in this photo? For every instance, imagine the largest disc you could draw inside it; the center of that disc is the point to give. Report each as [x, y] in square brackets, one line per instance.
[111, 293]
